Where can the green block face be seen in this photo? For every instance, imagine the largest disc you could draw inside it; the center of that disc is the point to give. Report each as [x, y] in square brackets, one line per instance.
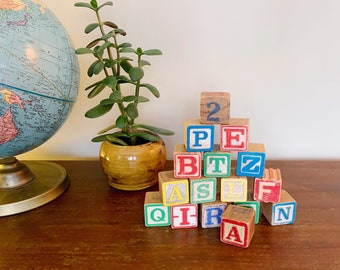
[252, 204]
[156, 215]
[202, 190]
[217, 164]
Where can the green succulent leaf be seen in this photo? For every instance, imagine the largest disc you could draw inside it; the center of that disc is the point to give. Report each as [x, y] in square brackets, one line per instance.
[121, 121]
[125, 45]
[96, 90]
[136, 74]
[93, 43]
[107, 101]
[104, 46]
[91, 27]
[114, 139]
[146, 136]
[132, 111]
[111, 24]
[98, 111]
[83, 4]
[95, 68]
[153, 52]
[107, 129]
[111, 81]
[157, 130]
[84, 51]
[109, 63]
[116, 96]
[126, 66]
[145, 63]
[152, 89]
[94, 3]
[143, 99]
[129, 98]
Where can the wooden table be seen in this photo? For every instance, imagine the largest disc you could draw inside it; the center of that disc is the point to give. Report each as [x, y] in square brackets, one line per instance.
[93, 226]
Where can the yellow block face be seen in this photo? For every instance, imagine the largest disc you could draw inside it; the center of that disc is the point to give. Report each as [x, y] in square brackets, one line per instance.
[175, 192]
[234, 189]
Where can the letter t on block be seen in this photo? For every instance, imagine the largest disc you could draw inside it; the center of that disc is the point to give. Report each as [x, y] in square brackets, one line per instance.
[234, 137]
[237, 226]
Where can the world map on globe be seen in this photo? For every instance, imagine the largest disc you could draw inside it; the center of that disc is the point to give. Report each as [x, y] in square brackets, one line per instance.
[39, 75]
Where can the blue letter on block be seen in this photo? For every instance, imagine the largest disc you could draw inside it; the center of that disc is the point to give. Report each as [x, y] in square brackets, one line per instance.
[211, 215]
[284, 213]
[200, 138]
[250, 164]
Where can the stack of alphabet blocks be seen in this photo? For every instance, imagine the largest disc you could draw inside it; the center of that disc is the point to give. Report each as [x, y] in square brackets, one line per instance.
[204, 187]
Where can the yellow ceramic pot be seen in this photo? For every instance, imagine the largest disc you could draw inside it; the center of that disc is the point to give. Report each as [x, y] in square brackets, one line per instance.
[133, 167]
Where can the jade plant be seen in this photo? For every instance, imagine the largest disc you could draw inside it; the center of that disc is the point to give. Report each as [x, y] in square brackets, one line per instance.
[118, 65]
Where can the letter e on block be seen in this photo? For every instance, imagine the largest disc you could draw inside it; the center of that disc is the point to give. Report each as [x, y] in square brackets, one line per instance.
[234, 137]
[237, 226]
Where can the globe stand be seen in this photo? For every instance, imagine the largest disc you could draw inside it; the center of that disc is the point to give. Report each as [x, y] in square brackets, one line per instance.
[28, 185]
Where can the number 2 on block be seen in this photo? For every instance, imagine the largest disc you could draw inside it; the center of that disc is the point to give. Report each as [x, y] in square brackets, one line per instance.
[215, 108]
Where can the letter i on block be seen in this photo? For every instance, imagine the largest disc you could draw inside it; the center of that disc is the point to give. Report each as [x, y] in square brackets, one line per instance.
[187, 164]
[280, 213]
[234, 137]
[268, 188]
[202, 189]
[173, 191]
[237, 226]
[217, 164]
[184, 216]
[198, 137]
[215, 108]
[251, 163]
[155, 213]
[210, 213]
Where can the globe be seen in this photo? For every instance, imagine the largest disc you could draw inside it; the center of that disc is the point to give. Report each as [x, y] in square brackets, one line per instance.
[39, 76]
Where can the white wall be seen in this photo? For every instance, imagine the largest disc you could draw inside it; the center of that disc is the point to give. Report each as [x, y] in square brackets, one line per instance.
[280, 60]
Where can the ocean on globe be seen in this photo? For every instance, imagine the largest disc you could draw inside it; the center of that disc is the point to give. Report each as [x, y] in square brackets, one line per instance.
[39, 75]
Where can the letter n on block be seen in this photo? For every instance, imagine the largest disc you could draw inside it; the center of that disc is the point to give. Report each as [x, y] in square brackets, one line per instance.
[210, 214]
[268, 188]
[155, 213]
[184, 216]
[198, 137]
[234, 137]
[282, 212]
[187, 164]
[237, 226]
[217, 164]
[173, 191]
[251, 163]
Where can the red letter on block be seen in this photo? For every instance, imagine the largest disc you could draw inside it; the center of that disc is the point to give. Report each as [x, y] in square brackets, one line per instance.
[184, 216]
[234, 138]
[268, 188]
[187, 166]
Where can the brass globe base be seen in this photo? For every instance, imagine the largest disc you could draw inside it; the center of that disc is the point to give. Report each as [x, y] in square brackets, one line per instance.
[49, 181]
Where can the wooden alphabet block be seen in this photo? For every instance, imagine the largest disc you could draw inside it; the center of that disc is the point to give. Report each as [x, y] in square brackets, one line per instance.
[268, 188]
[184, 216]
[251, 163]
[187, 164]
[173, 191]
[198, 137]
[251, 203]
[155, 213]
[234, 137]
[237, 226]
[217, 164]
[282, 212]
[202, 190]
[215, 108]
[210, 213]
[234, 188]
